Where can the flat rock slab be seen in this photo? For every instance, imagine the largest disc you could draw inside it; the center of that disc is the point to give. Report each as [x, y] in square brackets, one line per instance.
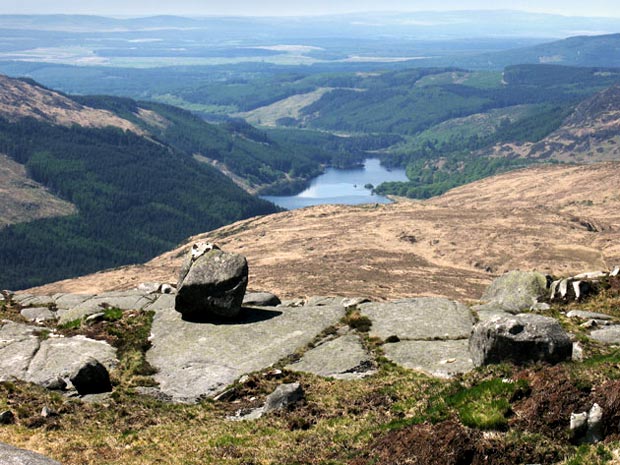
[584, 315]
[610, 335]
[10, 455]
[424, 318]
[443, 359]
[27, 300]
[38, 314]
[341, 358]
[200, 359]
[26, 355]
[68, 301]
[125, 300]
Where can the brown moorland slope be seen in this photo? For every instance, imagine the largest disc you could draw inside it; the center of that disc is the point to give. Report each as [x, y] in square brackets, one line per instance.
[22, 199]
[555, 219]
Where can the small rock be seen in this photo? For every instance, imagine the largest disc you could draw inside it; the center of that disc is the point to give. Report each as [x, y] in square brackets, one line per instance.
[589, 324]
[579, 423]
[609, 335]
[55, 384]
[578, 355]
[519, 339]
[211, 283]
[95, 317]
[353, 301]
[591, 275]
[47, 412]
[283, 396]
[261, 299]
[595, 425]
[91, 378]
[273, 374]
[615, 272]
[540, 307]
[149, 288]
[201, 248]
[8, 295]
[320, 301]
[167, 289]
[293, 303]
[6, 417]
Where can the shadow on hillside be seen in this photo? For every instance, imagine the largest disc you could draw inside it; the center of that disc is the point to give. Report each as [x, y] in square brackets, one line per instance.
[246, 316]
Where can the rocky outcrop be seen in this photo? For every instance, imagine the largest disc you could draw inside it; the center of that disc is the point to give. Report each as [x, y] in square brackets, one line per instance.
[580, 286]
[70, 307]
[519, 339]
[198, 359]
[211, 283]
[31, 354]
[10, 455]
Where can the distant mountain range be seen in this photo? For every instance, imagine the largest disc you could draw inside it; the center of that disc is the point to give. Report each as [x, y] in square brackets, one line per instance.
[600, 50]
[421, 25]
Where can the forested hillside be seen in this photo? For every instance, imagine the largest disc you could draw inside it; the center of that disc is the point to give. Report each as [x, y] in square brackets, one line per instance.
[135, 199]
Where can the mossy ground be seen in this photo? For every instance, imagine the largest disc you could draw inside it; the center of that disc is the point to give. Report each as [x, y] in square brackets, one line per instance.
[496, 415]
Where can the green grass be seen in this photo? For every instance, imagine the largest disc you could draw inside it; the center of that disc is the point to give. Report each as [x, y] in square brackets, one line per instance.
[112, 314]
[486, 406]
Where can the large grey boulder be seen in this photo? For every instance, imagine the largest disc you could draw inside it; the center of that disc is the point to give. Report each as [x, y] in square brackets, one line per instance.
[211, 283]
[515, 292]
[10, 455]
[519, 339]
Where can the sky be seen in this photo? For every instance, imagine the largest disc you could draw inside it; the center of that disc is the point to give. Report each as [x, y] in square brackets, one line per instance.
[295, 7]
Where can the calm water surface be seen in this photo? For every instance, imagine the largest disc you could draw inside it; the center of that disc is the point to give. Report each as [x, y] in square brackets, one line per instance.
[342, 186]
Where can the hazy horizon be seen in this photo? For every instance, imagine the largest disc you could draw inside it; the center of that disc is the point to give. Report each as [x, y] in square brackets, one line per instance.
[118, 8]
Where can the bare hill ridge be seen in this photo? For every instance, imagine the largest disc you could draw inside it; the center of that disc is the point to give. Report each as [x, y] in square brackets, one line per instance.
[554, 219]
[21, 99]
